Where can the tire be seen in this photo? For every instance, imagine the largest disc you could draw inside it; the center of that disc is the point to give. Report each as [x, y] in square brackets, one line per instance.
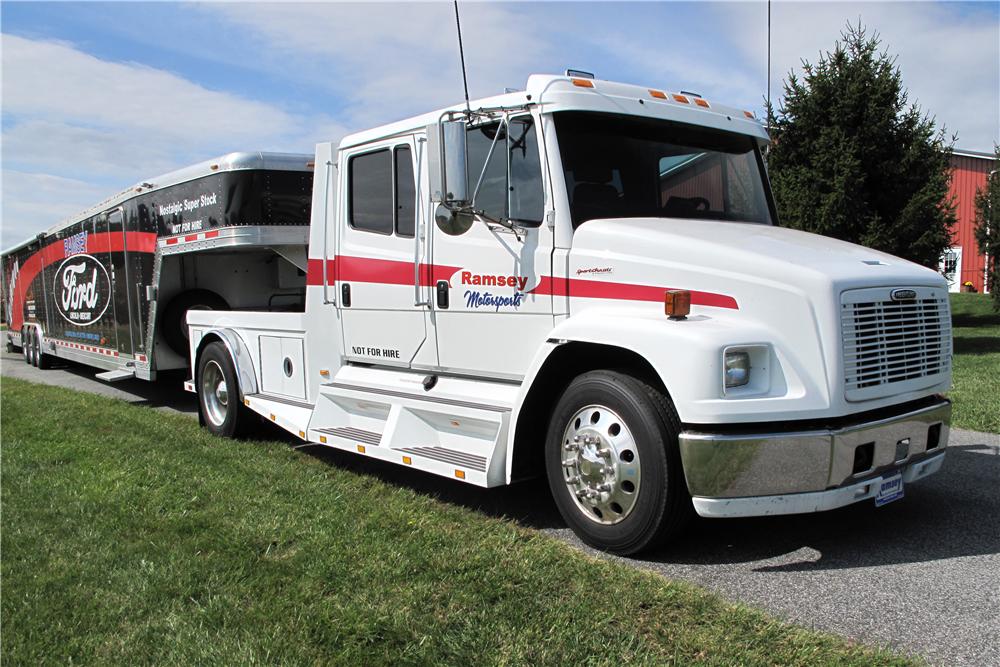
[613, 463]
[42, 360]
[26, 344]
[219, 402]
[35, 347]
[174, 330]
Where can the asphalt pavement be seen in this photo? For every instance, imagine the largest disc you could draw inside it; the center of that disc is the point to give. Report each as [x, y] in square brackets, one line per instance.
[921, 575]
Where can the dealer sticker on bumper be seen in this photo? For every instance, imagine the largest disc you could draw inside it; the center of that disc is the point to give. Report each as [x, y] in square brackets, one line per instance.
[890, 489]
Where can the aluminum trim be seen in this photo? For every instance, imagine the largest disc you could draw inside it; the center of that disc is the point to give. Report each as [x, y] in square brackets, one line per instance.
[417, 397]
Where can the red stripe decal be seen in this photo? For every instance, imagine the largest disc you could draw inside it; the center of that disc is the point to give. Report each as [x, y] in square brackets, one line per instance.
[391, 272]
[599, 289]
[54, 252]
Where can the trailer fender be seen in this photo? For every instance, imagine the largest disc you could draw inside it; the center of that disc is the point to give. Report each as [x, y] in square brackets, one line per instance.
[682, 356]
[238, 351]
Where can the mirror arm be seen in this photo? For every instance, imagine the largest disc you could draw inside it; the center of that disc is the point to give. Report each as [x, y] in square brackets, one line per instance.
[489, 155]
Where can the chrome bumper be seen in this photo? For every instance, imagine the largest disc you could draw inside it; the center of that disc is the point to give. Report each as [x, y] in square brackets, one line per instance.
[809, 471]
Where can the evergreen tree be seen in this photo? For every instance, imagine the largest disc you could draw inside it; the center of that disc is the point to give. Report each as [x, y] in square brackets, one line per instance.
[988, 227]
[853, 160]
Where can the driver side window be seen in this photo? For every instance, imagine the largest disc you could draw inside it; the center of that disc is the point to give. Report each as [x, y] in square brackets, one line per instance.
[522, 197]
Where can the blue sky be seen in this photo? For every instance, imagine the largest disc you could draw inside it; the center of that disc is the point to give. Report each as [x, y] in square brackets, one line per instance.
[98, 96]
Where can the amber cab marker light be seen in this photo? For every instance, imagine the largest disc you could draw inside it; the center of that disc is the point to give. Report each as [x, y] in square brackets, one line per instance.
[583, 83]
[658, 94]
[677, 303]
[681, 99]
[748, 114]
[700, 102]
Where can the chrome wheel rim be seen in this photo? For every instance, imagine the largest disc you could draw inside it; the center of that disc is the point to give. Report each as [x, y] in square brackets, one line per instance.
[214, 393]
[600, 464]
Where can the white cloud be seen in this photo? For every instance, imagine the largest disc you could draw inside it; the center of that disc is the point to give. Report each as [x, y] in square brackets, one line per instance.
[391, 60]
[32, 202]
[102, 126]
[55, 82]
[949, 54]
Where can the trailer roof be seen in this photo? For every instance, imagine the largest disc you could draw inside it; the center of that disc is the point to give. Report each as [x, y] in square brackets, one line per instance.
[236, 161]
[565, 92]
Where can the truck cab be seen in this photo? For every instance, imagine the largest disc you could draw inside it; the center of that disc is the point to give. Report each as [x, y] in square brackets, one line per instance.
[587, 280]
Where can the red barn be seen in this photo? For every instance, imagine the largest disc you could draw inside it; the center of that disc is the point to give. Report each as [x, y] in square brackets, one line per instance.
[963, 261]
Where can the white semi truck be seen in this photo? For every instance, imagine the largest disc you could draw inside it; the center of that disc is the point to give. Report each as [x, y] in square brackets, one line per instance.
[587, 280]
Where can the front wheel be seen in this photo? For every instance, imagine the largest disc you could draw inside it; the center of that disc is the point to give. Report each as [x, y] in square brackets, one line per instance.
[613, 463]
[222, 411]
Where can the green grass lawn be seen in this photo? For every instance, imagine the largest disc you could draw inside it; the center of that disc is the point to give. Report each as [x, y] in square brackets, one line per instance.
[133, 536]
[976, 375]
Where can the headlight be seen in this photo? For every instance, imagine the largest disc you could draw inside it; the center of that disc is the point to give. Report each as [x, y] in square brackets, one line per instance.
[737, 368]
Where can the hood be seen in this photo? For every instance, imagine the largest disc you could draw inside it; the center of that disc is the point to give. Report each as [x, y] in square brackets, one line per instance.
[749, 253]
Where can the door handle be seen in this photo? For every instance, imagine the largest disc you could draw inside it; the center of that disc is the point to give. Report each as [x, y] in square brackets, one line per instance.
[345, 295]
[442, 294]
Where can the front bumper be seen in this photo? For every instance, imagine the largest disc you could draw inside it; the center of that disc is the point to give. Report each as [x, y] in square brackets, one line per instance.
[794, 472]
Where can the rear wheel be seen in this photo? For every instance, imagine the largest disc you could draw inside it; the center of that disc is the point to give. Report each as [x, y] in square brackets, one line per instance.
[222, 411]
[34, 346]
[613, 463]
[42, 360]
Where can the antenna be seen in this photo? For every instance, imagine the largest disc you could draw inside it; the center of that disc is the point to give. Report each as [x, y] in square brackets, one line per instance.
[768, 64]
[461, 54]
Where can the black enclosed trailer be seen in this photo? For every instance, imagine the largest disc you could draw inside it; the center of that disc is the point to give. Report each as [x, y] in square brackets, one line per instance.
[111, 287]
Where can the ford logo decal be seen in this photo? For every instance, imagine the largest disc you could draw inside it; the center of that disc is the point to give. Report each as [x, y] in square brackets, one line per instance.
[82, 290]
[903, 294]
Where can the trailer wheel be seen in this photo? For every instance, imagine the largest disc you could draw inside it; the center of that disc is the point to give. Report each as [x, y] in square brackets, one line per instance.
[42, 360]
[26, 344]
[221, 409]
[175, 331]
[613, 463]
[35, 346]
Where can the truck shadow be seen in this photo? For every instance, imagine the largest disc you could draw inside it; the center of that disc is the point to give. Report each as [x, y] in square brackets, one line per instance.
[953, 513]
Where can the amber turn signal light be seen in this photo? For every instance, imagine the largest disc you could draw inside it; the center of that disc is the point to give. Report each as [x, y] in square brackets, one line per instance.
[677, 303]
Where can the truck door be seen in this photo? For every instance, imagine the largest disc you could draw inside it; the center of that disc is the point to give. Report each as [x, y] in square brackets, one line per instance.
[376, 270]
[492, 287]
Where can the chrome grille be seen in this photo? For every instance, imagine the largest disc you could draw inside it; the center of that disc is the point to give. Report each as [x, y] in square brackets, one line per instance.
[894, 346]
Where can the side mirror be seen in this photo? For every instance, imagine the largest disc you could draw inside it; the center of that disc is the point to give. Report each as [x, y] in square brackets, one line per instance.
[447, 163]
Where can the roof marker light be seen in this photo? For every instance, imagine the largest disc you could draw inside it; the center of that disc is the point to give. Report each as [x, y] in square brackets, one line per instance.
[748, 114]
[658, 94]
[700, 102]
[583, 83]
[680, 98]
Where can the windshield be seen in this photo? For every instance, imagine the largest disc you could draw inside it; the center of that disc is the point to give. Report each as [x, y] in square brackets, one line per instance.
[628, 167]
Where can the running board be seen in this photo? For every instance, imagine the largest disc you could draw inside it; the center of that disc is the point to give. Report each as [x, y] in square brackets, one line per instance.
[115, 376]
[453, 427]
